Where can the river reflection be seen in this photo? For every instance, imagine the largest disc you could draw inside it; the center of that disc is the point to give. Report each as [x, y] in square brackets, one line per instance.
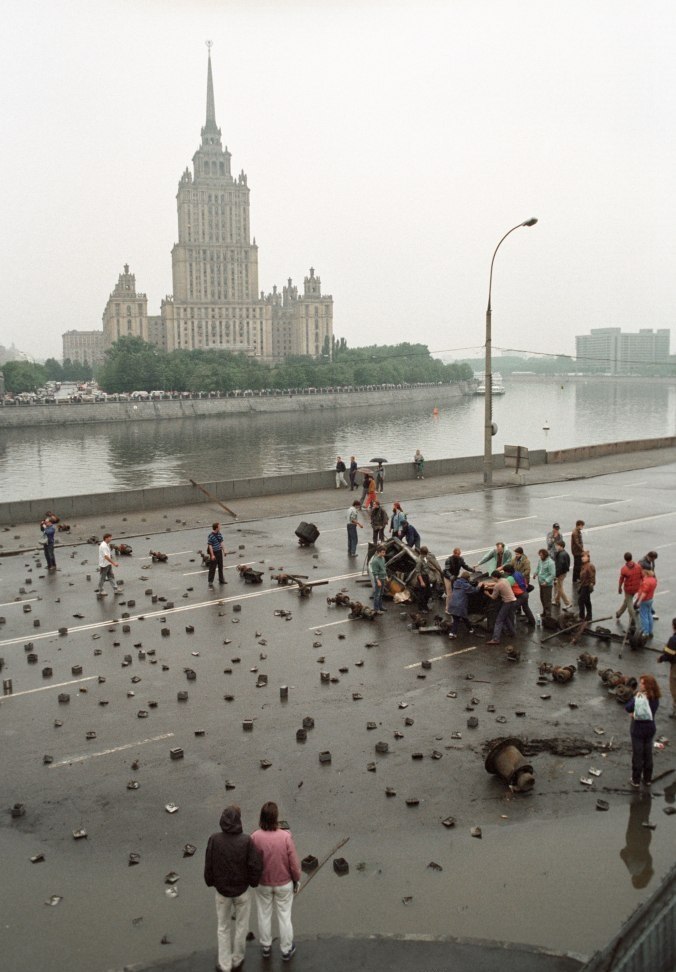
[549, 414]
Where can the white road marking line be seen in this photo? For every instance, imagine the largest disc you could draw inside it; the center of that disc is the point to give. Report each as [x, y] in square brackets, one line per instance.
[660, 593]
[663, 545]
[107, 752]
[450, 654]
[628, 485]
[26, 600]
[554, 496]
[516, 519]
[615, 502]
[175, 553]
[330, 624]
[43, 688]
[190, 573]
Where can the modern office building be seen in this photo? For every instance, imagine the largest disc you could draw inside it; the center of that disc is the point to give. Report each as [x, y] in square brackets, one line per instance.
[622, 353]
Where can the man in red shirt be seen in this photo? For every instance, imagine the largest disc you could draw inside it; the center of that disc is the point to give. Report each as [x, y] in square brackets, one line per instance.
[629, 583]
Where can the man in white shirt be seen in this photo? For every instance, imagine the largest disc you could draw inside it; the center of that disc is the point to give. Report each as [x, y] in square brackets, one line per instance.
[106, 564]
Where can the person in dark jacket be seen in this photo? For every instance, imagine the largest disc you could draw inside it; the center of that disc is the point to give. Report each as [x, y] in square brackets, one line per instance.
[458, 603]
[643, 731]
[562, 565]
[408, 534]
[232, 865]
[669, 656]
[379, 520]
[452, 567]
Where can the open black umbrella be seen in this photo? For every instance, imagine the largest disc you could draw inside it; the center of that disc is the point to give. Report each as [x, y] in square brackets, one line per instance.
[378, 460]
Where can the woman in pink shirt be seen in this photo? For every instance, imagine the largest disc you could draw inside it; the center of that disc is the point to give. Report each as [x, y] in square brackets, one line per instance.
[644, 601]
[279, 881]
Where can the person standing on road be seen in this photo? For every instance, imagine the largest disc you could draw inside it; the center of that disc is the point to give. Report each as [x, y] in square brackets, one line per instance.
[631, 575]
[577, 549]
[587, 584]
[562, 566]
[552, 539]
[232, 865]
[648, 563]
[397, 518]
[215, 553]
[644, 602]
[669, 655]
[521, 563]
[545, 574]
[517, 582]
[340, 473]
[452, 567]
[643, 707]
[353, 473]
[365, 488]
[496, 558]
[372, 496]
[378, 573]
[279, 881]
[353, 525]
[106, 564]
[379, 521]
[48, 527]
[458, 603]
[505, 619]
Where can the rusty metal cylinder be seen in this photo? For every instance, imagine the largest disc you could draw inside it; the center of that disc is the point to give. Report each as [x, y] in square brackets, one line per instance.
[508, 762]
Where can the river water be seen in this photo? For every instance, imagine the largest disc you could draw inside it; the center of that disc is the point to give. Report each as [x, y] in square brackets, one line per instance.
[37, 462]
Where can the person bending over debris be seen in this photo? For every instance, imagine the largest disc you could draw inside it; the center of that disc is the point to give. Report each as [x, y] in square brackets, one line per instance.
[505, 618]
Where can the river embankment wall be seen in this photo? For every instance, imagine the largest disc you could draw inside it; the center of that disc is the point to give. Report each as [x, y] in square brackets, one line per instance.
[185, 494]
[86, 413]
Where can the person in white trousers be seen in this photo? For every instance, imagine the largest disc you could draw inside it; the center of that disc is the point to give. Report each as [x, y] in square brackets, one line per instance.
[279, 881]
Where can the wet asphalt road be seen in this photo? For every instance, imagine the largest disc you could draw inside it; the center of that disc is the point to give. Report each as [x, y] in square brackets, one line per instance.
[549, 870]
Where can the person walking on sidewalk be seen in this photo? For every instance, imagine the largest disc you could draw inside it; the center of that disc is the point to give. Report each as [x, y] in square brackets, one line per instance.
[340, 473]
[577, 549]
[232, 865]
[279, 881]
[562, 567]
[644, 602]
[353, 525]
[380, 477]
[545, 575]
[669, 656]
[353, 473]
[106, 564]
[587, 584]
[631, 576]
[215, 553]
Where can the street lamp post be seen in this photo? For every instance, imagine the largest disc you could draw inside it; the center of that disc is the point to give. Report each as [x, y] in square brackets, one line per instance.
[488, 374]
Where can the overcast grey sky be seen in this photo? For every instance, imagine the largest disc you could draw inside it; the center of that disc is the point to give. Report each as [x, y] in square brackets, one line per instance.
[388, 144]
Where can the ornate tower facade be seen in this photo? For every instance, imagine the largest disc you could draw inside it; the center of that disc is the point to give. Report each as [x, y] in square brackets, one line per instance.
[126, 313]
[215, 301]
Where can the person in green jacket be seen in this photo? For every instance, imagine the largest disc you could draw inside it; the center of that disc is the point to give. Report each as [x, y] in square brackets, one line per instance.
[496, 558]
[545, 572]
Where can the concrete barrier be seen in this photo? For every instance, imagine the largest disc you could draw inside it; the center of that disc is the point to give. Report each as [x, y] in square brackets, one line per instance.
[609, 449]
[184, 494]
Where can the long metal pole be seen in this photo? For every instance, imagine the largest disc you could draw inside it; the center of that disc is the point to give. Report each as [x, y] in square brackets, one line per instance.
[488, 367]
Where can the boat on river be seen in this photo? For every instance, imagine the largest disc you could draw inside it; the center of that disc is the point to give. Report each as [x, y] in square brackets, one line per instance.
[498, 386]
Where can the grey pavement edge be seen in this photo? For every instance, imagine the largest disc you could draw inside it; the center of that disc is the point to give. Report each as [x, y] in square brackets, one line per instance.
[384, 954]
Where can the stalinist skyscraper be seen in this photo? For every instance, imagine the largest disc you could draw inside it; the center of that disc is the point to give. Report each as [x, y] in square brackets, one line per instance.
[215, 301]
